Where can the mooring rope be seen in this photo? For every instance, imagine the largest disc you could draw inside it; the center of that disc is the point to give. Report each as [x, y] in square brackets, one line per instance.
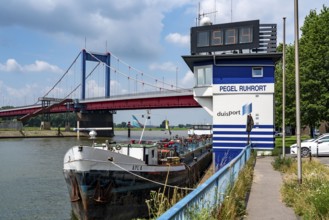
[162, 184]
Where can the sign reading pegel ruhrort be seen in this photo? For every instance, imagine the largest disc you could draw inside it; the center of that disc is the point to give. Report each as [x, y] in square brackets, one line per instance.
[243, 88]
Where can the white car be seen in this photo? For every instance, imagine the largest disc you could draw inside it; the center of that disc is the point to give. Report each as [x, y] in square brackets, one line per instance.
[318, 146]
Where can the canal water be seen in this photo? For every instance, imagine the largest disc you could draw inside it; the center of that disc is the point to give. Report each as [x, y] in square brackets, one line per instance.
[32, 184]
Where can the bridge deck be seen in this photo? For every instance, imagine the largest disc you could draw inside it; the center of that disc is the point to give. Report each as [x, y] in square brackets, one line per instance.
[175, 99]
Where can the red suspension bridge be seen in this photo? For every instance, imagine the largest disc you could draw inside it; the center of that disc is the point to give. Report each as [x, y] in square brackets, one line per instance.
[124, 88]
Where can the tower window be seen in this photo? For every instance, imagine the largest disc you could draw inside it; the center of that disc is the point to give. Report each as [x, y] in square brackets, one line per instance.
[203, 75]
[257, 72]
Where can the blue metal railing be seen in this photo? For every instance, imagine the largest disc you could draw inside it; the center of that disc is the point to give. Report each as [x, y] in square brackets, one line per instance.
[210, 194]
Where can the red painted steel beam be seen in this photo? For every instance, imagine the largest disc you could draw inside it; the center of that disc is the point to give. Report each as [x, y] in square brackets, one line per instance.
[145, 103]
[126, 104]
[17, 112]
[22, 111]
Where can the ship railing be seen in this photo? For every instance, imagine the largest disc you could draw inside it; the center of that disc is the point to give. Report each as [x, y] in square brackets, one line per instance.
[196, 144]
[211, 193]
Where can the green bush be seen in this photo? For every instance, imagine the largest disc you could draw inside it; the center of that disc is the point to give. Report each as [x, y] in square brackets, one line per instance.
[282, 164]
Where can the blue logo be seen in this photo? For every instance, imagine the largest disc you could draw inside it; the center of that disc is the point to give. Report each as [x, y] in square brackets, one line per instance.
[247, 109]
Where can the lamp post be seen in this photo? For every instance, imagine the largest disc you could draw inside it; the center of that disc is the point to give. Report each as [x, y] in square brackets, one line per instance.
[299, 159]
[284, 90]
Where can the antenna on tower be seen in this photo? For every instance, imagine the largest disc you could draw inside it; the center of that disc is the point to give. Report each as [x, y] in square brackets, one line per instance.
[231, 11]
[215, 11]
[203, 15]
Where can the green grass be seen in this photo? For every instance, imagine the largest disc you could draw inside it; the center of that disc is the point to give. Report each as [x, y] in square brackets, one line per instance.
[233, 207]
[311, 198]
[159, 202]
[234, 204]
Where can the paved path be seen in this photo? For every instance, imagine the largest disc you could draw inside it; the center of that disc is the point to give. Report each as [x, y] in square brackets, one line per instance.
[324, 160]
[265, 199]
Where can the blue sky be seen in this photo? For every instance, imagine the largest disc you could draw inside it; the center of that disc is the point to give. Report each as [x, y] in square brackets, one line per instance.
[39, 39]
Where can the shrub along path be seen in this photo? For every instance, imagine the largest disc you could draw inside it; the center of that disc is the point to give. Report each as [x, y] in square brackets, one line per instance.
[265, 200]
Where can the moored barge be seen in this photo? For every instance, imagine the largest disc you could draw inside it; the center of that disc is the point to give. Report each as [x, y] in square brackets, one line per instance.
[113, 181]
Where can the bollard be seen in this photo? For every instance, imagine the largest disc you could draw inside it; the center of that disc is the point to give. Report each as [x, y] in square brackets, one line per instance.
[78, 131]
[128, 129]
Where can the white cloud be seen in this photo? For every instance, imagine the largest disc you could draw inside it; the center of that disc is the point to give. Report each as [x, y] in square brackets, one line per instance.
[117, 88]
[58, 91]
[188, 80]
[23, 95]
[179, 39]
[93, 89]
[12, 65]
[129, 28]
[42, 66]
[167, 66]
[44, 6]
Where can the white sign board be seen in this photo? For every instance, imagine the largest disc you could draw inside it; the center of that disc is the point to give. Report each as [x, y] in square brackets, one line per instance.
[233, 109]
[243, 88]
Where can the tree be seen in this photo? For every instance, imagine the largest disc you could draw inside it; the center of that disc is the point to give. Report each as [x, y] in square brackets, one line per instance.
[314, 70]
[163, 124]
[290, 109]
[7, 107]
[123, 124]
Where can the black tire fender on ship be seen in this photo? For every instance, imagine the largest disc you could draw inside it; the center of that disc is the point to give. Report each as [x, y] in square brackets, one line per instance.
[118, 147]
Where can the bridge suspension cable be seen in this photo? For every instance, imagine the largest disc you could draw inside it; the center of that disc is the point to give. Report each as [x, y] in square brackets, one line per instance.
[61, 76]
[85, 78]
[129, 77]
[159, 84]
[142, 73]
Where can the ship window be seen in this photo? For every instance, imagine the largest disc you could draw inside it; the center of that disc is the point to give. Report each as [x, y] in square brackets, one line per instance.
[152, 153]
[203, 75]
[257, 72]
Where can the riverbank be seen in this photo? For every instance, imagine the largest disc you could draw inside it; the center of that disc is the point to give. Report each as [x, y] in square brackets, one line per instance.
[37, 133]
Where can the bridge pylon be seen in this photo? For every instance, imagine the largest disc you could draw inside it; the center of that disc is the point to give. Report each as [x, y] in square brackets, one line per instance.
[96, 57]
